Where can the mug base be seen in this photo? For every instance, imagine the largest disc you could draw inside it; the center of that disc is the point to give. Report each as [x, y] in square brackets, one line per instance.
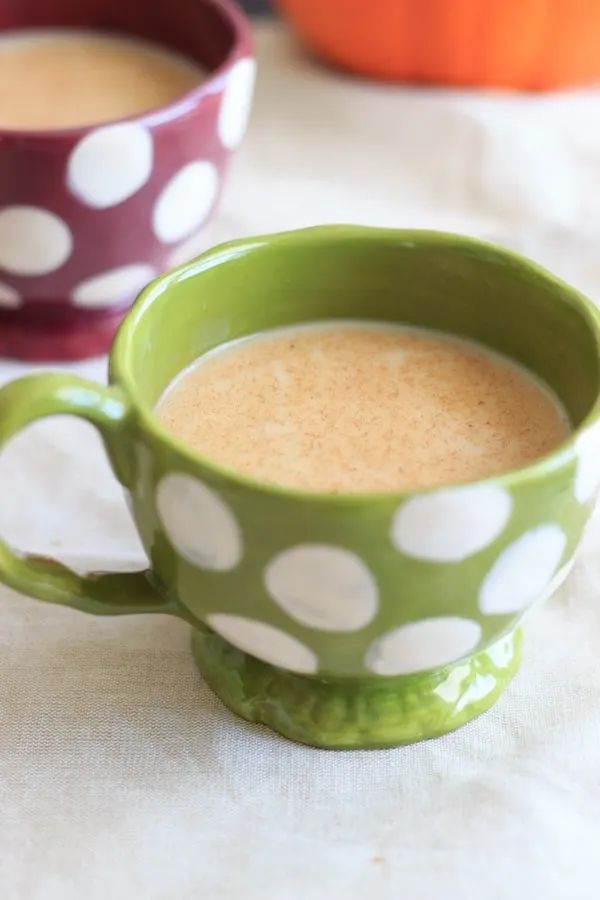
[34, 338]
[345, 713]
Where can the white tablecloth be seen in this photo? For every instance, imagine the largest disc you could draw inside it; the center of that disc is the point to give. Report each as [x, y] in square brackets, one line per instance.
[120, 775]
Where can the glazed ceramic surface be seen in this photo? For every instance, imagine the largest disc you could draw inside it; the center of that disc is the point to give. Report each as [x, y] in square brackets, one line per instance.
[340, 621]
[89, 216]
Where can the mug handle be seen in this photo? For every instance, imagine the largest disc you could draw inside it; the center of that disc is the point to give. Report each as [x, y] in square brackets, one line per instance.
[104, 594]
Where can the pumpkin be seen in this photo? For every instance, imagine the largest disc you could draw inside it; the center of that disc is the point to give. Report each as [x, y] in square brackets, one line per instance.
[520, 44]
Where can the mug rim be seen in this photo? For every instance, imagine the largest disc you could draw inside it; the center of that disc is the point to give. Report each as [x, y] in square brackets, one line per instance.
[121, 376]
[242, 46]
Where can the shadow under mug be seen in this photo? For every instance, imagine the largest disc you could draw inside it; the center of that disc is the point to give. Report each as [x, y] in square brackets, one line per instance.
[340, 621]
[90, 215]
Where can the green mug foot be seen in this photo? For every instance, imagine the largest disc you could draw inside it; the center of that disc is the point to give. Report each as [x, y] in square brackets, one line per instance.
[338, 713]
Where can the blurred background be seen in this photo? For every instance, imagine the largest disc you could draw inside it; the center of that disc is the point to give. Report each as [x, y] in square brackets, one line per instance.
[255, 6]
[516, 167]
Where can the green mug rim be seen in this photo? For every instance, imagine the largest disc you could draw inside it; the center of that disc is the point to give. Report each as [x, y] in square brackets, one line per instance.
[121, 372]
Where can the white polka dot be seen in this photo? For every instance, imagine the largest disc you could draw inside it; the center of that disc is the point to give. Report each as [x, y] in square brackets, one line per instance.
[198, 523]
[110, 164]
[450, 525]
[264, 642]
[112, 287]
[428, 644]
[523, 571]
[9, 297]
[323, 587]
[587, 474]
[33, 241]
[185, 202]
[236, 104]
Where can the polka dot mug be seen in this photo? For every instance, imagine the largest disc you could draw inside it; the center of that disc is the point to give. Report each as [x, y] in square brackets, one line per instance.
[88, 216]
[338, 620]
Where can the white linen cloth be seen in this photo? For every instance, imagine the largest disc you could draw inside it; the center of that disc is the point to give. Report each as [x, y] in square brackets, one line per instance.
[120, 775]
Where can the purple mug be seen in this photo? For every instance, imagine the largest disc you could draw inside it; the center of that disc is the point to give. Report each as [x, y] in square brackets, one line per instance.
[89, 215]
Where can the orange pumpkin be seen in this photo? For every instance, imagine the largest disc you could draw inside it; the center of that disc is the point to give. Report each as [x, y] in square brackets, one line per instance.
[521, 44]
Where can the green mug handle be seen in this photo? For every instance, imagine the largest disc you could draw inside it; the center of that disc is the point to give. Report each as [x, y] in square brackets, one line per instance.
[105, 594]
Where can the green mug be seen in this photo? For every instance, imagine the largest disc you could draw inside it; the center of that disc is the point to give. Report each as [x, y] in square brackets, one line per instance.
[342, 621]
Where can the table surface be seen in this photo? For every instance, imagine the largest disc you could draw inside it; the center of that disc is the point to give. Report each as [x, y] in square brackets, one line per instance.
[120, 775]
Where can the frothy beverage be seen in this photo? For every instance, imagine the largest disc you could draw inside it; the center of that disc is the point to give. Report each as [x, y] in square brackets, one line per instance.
[360, 407]
[53, 79]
